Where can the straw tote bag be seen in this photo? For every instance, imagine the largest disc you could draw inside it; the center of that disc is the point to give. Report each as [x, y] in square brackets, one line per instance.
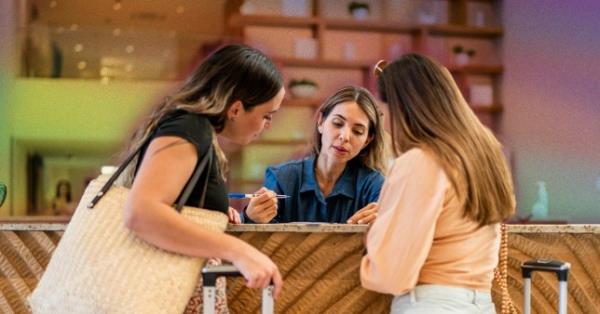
[100, 266]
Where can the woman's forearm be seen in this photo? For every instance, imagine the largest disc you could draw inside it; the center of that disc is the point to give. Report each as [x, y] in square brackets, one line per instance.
[162, 226]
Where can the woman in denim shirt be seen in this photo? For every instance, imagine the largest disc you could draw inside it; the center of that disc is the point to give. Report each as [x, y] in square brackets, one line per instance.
[340, 181]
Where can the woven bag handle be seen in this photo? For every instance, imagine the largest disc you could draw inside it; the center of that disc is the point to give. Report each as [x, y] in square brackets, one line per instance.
[206, 159]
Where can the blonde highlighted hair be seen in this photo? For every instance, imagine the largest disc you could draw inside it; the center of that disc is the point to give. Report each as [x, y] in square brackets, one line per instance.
[428, 111]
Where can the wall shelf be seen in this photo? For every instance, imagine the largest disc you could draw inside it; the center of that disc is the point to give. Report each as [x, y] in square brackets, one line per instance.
[477, 69]
[495, 108]
[467, 31]
[337, 39]
[323, 63]
[240, 21]
[369, 26]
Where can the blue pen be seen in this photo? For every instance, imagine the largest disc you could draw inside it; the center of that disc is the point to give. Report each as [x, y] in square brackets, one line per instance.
[242, 196]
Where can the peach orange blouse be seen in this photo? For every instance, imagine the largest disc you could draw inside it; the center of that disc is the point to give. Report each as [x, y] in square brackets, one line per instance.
[420, 235]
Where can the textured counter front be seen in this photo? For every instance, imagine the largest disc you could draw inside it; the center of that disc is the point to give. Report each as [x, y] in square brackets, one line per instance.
[320, 265]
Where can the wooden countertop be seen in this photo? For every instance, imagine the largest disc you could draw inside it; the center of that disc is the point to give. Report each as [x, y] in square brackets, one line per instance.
[60, 223]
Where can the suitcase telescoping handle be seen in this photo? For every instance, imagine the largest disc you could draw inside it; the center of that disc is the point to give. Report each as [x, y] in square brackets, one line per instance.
[561, 269]
[209, 277]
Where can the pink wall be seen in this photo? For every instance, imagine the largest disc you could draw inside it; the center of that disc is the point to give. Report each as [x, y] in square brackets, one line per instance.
[551, 92]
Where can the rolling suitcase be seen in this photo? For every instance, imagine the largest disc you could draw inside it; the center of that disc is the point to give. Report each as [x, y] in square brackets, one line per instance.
[561, 269]
[209, 277]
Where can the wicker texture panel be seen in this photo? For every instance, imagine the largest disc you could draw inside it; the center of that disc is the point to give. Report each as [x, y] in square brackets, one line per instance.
[321, 271]
[23, 257]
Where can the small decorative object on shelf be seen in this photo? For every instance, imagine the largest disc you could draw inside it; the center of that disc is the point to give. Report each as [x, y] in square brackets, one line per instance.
[359, 10]
[305, 48]
[479, 18]
[461, 57]
[248, 8]
[426, 18]
[349, 52]
[481, 95]
[295, 8]
[303, 88]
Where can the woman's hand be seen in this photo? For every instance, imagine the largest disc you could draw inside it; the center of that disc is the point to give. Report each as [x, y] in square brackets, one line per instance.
[234, 216]
[365, 215]
[262, 208]
[258, 269]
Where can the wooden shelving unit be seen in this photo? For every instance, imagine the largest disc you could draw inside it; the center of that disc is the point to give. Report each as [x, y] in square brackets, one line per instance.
[322, 63]
[478, 69]
[421, 38]
[495, 108]
[240, 21]
[237, 20]
[465, 31]
[370, 26]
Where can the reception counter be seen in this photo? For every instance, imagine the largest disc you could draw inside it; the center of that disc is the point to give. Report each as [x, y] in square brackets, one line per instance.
[320, 264]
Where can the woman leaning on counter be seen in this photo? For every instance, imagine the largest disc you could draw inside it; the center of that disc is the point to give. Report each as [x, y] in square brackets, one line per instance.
[340, 181]
[435, 242]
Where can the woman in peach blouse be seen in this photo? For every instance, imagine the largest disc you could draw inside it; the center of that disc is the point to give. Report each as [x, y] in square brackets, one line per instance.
[435, 242]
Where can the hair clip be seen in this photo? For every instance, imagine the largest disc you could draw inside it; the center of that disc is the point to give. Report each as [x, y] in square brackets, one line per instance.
[378, 69]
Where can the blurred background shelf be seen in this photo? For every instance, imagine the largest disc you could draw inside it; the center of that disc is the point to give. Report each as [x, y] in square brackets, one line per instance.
[325, 64]
[345, 24]
[477, 69]
[338, 50]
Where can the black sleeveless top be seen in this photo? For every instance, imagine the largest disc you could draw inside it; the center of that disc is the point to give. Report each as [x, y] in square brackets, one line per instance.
[196, 129]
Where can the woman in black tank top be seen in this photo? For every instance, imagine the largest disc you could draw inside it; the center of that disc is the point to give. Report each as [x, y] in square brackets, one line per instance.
[232, 94]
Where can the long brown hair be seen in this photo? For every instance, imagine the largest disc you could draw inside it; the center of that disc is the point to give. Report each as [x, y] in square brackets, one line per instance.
[374, 154]
[428, 111]
[233, 72]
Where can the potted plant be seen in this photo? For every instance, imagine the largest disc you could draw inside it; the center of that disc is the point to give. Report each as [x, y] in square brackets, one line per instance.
[359, 10]
[303, 88]
[460, 55]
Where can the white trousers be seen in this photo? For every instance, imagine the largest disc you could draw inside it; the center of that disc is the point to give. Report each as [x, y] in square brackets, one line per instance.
[433, 299]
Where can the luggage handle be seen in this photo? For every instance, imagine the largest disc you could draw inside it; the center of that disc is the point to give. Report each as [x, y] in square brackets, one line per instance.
[560, 268]
[209, 281]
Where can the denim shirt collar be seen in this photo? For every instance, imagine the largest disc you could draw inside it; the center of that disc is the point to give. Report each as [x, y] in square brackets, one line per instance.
[344, 185]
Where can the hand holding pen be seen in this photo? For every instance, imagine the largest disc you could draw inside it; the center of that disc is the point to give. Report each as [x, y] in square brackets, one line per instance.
[262, 208]
[238, 196]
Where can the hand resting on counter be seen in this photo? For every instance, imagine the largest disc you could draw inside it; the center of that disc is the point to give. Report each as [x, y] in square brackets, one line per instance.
[365, 215]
